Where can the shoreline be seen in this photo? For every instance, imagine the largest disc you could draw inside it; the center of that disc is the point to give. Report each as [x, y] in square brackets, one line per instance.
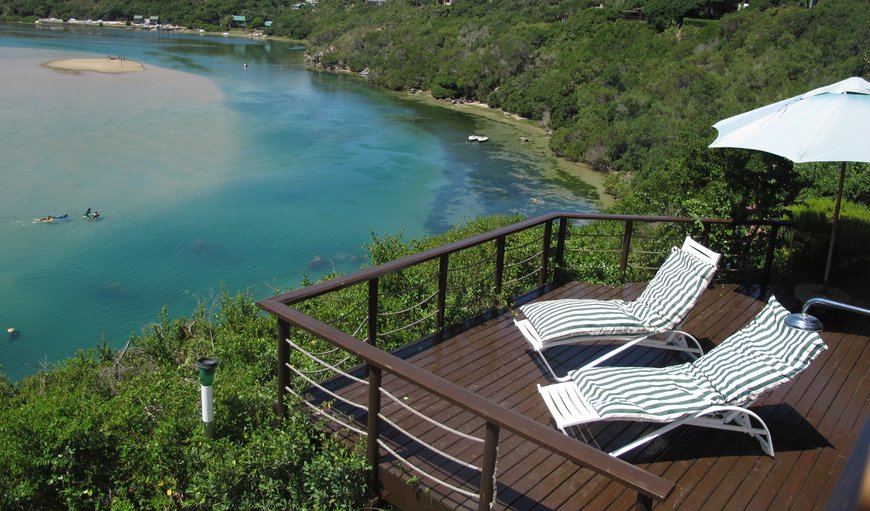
[535, 138]
[110, 65]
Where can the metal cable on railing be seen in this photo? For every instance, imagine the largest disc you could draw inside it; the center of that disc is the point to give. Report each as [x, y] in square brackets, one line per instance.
[521, 277]
[421, 285]
[325, 369]
[409, 325]
[414, 468]
[360, 305]
[461, 286]
[382, 444]
[483, 261]
[408, 309]
[524, 261]
[385, 392]
[533, 241]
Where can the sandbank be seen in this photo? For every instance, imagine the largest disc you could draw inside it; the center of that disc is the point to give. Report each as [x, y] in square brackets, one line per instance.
[110, 65]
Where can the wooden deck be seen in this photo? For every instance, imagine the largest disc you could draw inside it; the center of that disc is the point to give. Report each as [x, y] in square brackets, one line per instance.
[814, 421]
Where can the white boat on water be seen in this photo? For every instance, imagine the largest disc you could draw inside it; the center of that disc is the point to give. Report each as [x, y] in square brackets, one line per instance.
[477, 138]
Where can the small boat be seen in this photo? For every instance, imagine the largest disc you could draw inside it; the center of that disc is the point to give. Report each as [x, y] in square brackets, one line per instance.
[477, 138]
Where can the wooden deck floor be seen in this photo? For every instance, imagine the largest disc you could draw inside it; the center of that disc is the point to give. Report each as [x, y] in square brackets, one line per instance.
[814, 421]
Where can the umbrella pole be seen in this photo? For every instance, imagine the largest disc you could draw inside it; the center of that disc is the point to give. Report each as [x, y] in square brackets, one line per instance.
[834, 226]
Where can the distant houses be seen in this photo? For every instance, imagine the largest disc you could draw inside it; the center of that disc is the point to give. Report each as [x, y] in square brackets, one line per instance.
[238, 22]
[152, 21]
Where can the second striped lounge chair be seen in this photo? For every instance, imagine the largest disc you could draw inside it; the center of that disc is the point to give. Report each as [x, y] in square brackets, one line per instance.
[711, 391]
[653, 319]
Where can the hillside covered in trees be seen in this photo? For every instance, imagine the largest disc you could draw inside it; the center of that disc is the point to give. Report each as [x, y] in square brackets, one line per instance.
[636, 98]
[630, 87]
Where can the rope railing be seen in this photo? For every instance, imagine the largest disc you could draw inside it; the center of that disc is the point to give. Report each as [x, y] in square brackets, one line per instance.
[519, 246]
[384, 391]
[409, 308]
[520, 278]
[394, 399]
[408, 326]
[524, 261]
[483, 261]
[414, 468]
[463, 299]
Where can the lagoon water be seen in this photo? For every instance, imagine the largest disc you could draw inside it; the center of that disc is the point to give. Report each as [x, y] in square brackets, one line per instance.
[210, 174]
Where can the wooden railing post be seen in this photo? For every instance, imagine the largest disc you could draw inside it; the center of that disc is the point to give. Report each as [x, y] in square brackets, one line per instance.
[499, 264]
[545, 253]
[443, 263]
[373, 312]
[705, 235]
[768, 259]
[283, 373]
[644, 503]
[373, 428]
[487, 471]
[626, 245]
[560, 251]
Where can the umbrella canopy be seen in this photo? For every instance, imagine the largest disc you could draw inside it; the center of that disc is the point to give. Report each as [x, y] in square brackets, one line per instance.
[831, 123]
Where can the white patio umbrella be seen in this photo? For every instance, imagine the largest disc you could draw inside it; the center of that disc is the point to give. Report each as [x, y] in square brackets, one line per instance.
[830, 123]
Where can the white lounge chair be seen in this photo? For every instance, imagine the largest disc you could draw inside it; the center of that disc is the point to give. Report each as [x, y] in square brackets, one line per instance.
[653, 319]
[711, 391]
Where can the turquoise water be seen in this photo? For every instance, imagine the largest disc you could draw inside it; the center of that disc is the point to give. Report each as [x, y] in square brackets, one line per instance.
[209, 173]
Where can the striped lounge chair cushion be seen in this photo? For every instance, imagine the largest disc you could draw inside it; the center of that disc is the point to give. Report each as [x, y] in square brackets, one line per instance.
[645, 393]
[665, 302]
[674, 290]
[760, 356]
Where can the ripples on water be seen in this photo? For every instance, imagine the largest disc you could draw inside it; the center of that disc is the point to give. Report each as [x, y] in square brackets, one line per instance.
[207, 174]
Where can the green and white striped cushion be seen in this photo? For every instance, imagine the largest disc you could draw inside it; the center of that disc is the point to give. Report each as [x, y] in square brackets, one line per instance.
[760, 356]
[675, 289]
[556, 319]
[645, 393]
[665, 302]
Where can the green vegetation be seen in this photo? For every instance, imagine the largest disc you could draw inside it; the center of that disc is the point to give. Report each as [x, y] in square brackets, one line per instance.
[808, 244]
[634, 98]
[122, 430]
[631, 92]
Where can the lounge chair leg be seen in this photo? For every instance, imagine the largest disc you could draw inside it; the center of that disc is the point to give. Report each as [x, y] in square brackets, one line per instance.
[550, 368]
[762, 435]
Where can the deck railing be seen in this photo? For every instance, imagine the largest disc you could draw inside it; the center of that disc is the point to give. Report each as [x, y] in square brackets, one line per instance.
[518, 261]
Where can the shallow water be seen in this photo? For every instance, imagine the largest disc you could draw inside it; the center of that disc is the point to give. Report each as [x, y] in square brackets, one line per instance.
[208, 174]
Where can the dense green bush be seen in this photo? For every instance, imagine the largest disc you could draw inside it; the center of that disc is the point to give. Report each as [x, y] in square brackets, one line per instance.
[122, 430]
[809, 241]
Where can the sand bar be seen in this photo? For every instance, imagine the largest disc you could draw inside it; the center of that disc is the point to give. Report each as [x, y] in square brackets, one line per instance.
[113, 65]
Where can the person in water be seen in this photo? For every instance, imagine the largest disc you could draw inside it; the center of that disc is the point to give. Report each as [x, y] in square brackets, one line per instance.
[88, 213]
